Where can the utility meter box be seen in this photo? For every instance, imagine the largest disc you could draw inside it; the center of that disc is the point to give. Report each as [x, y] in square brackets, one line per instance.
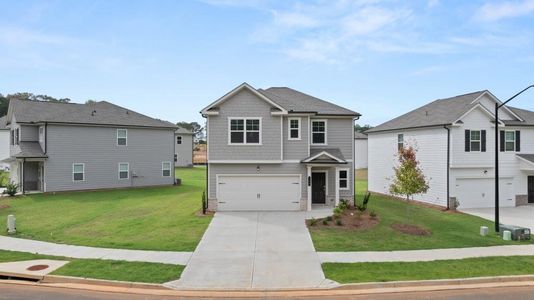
[518, 233]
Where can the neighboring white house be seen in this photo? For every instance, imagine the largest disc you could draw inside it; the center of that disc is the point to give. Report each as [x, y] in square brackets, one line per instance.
[360, 150]
[183, 148]
[460, 128]
[4, 143]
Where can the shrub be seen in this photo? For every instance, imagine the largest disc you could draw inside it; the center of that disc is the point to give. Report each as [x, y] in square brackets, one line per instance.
[11, 189]
[329, 218]
[338, 222]
[313, 222]
[363, 206]
[325, 222]
[372, 214]
[343, 204]
[338, 210]
[4, 178]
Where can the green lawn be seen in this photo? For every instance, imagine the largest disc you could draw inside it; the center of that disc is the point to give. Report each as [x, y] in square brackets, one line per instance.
[158, 218]
[440, 269]
[449, 230]
[105, 269]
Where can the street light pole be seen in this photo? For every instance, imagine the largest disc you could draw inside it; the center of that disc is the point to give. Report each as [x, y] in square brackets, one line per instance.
[497, 106]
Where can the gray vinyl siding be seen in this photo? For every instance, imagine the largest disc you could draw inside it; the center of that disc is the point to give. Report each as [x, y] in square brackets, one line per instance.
[339, 135]
[289, 168]
[184, 151]
[97, 148]
[296, 149]
[244, 104]
[29, 133]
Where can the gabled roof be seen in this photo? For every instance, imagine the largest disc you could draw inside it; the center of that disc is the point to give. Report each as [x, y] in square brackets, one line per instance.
[285, 100]
[359, 135]
[325, 155]
[99, 113]
[182, 130]
[298, 102]
[3, 123]
[446, 112]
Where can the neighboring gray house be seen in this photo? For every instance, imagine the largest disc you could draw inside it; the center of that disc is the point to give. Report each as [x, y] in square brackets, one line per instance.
[67, 146]
[4, 143]
[183, 148]
[278, 149]
[360, 150]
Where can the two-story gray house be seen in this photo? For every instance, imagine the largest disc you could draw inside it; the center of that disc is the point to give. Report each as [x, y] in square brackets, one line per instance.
[67, 146]
[278, 149]
[183, 149]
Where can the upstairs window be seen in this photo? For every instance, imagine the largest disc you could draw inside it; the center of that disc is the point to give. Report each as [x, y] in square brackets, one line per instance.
[400, 141]
[41, 134]
[475, 140]
[78, 172]
[343, 179]
[166, 169]
[17, 136]
[179, 140]
[12, 137]
[294, 129]
[509, 141]
[124, 170]
[245, 131]
[122, 137]
[318, 132]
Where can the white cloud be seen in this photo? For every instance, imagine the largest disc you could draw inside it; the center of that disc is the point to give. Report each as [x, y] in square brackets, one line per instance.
[371, 19]
[18, 36]
[496, 11]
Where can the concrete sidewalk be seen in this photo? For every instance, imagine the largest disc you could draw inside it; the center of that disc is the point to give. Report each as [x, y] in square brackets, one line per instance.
[424, 255]
[46, 248]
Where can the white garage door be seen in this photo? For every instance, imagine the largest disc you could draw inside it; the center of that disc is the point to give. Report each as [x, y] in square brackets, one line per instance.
[479, 192]
[264, 192]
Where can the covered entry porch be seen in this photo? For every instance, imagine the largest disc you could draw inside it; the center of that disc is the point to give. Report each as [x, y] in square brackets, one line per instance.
[328, 178]
[28, 168]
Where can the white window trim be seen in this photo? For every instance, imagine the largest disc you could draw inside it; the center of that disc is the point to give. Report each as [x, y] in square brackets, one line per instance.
[83, 166]
[119, 170]
[181, 139]
[479, 141]
[163, 169]
[117, 141]
[347, 179]
[289, 129]
[325, 131]
[507, 141]
[244, 131]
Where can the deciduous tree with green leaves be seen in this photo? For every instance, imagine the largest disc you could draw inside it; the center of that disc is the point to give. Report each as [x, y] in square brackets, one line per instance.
[409, 179]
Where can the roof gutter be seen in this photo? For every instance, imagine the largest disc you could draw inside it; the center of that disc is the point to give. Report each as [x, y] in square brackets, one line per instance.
[372, 130]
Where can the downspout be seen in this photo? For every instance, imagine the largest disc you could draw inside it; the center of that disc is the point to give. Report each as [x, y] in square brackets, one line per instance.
[448, 164]
[23, 175]
[353, 161]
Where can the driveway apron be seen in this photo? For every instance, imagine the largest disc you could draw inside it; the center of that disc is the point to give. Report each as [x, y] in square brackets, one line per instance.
[254, 250]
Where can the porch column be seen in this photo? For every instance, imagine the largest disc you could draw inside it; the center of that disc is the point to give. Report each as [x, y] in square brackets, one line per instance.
[309, 188]
[336, 183]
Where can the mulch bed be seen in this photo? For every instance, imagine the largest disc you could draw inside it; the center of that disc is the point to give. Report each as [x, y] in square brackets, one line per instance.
[351, 219]
[411, 229]
[4, 206]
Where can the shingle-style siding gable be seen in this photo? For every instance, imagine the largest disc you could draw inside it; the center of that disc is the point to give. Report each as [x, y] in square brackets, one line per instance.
[244, 104]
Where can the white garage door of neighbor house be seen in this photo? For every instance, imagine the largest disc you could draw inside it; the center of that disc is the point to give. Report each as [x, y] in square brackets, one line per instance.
[479, 192]
[238, 193]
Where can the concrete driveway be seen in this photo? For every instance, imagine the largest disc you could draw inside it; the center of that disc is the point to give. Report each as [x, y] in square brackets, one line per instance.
[519, 215]
[254, 250]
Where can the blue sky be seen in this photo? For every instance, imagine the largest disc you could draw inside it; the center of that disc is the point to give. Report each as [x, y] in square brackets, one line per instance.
[168, 59]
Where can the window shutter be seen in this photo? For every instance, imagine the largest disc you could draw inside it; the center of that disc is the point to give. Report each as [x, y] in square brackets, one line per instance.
[483, 140]
[467, 140]
[501, 142]
[517, 141]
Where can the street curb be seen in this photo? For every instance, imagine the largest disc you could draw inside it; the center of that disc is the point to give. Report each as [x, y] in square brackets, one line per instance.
[435, 282]
[57, 279]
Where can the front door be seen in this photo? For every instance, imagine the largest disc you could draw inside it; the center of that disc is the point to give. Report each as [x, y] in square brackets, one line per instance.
[530, 189]
[318, 188]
